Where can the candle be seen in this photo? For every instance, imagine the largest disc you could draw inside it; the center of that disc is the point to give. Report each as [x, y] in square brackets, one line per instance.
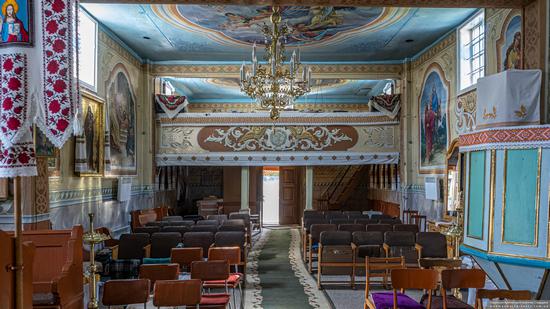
[254, 50]
[242, 72]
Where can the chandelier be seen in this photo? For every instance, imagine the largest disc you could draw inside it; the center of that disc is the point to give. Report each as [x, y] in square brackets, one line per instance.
[273, 85]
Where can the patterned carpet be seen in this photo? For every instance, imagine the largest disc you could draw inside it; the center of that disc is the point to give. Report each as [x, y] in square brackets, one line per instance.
[276, 276]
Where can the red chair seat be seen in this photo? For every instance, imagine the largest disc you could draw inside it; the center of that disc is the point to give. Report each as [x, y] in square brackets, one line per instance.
[220, 299]
[232, 281]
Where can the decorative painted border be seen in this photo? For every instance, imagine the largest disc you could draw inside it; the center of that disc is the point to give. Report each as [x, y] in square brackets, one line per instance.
[63, 198]
[506, 138]
[287, 118]
[276, 158]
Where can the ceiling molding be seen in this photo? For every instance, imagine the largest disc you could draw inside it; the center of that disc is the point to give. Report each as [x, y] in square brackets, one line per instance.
[375, 3]
[353, 71]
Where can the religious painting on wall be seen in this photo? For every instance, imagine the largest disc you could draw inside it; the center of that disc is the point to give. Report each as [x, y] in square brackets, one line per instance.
[433, 102]
[509, 52]
[121, 115]
[16, 23]
[43, 147]
[89, 159]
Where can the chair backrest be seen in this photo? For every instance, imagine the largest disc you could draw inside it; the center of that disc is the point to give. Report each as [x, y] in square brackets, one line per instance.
[391, 221]
[439, 263]
[199, 239]
[334, 216]
[316, 229]
[434, 244]
[185, 256]
[208, 222]
[243, 216]
[172, 293]
[399, 239]
[379, 227]
[352, 213]
[220, 218]
[365, 221]
[147, 229]
[155, 272]
[172, 218]
[339, 221]
[179, 223]
[163, 242]
[368, 238]
[351, 227]
[414, 279]
[230, 239]
[230, 254]
[210, 270]
[310, 221]
[235, 222]
[155, 223]
[204, 228]
[406, 227]
[380, 216]
[126, 292]
[501, 294]
[335, 238]
[462, 278]
[177, 229]
[131, 245]
[312, 214]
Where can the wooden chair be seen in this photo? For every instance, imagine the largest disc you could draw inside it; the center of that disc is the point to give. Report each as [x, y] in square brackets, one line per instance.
[500, 294]
[407, 215]
[313, 241]
[233, 256]
[172, 293]
[420, 220]
[212, 271]
[155, 272]
[306, 227]
[126, 292]
[185, 256]
[403, 279]
[379, 267]
[459, 279]
[7, 278]
[336, 256]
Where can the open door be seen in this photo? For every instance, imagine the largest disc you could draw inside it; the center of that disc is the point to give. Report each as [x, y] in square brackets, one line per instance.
[288, 195]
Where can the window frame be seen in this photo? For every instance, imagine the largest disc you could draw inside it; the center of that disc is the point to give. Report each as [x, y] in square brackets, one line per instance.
[459, 44]
[84, 84]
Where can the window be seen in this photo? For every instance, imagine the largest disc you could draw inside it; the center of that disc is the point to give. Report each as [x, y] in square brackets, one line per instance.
[87, 50]
[471, 51]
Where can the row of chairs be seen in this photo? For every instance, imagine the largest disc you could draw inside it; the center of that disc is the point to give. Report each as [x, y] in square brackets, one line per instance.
[311, 233]
[134, 249]
[201, 226]
[168, 290]
[429, 280]
[336, 214]
[343, 252]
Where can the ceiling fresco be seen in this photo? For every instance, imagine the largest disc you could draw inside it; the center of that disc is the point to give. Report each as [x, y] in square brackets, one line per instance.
[226, 90]
[225, 33]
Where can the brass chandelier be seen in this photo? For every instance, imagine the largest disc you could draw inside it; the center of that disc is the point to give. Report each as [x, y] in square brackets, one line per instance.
[273, 85]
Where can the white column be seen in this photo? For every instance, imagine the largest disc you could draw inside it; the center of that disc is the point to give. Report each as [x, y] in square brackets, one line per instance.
[245, 182]
[309, 187]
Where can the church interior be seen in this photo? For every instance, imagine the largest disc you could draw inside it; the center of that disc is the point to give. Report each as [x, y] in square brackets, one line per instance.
[270, 154]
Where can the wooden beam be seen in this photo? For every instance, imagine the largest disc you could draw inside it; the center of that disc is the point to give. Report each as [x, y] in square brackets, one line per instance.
[371, 3]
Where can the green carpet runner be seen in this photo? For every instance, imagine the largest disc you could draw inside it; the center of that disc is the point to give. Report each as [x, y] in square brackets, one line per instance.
[280, 288]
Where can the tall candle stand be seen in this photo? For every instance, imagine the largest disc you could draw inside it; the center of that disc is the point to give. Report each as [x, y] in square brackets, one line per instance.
[455, 232]
[92, 238]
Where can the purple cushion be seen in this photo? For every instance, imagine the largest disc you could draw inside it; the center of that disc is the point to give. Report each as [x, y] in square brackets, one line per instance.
[384, 300]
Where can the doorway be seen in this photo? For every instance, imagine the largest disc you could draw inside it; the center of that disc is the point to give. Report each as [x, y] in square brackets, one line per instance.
[270, 182]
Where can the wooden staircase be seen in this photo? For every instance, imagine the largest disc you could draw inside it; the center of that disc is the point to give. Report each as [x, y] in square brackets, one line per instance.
[341, 188]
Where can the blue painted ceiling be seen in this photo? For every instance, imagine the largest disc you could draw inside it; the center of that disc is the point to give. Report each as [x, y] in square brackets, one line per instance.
[225, 33]
[226, 90]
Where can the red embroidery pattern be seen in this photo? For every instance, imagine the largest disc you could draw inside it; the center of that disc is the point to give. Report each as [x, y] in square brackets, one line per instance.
[170, 102]
[515, 135]
[18, 160]
[13, 98]
[59, 84]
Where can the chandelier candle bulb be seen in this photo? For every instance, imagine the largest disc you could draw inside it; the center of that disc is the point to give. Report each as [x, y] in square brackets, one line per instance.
[254, 51]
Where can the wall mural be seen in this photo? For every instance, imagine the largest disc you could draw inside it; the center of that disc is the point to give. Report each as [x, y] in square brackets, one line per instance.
[308, 25]
[121, 103]
[433, 102]
[285, 138]
[16, 23]
[509, 53]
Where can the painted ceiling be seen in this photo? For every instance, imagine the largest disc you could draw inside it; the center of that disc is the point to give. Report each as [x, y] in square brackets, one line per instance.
[226, 90]
[224, 33]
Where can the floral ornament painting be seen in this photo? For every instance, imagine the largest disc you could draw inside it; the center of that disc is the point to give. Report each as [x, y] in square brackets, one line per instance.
[16, 23]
